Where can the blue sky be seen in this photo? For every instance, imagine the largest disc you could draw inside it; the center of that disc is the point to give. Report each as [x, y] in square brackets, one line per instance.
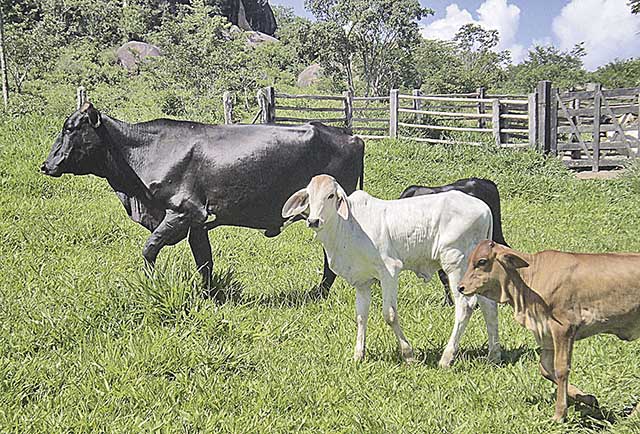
[607, 27]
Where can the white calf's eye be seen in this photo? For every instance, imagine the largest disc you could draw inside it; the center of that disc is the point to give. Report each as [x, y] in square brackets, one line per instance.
[331, 196]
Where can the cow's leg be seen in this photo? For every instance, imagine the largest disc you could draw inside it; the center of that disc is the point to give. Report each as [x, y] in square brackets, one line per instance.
[562, 346]
[490, 312]
[363, 301]
[390, 313]
[547, 369]
[463, 308]
[173, 228]
[328, 277]
[448, 301]
[201, 249]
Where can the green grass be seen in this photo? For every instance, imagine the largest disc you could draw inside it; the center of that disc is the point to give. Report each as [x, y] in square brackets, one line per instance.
[89, 344]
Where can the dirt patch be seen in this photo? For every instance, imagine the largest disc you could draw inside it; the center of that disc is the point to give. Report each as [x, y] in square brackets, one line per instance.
[603, 174]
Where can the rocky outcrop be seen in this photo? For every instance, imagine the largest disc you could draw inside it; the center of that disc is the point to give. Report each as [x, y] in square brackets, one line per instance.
[133, 52]
[310, 75]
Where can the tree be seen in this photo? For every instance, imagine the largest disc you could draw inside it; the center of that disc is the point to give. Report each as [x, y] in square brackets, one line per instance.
[463, 64]
[372, 39]
[563, 68]
[619, 73]
[635, 6]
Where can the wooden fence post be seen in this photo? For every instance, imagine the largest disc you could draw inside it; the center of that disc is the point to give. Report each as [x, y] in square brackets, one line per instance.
[417, 104]
[543, 97]
[495, 121]
[533, 127]
[481, 109]
[597, 112]
[228, 107]
[348, 110]
[3, 64]
[638, 119]
[393, 113]
[553, 122]
[267, 102]
[81, 97]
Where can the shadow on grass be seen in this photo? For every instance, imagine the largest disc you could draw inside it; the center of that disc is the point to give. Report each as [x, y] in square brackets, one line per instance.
[290, 299]
[594, 418]
[431, 356]
[226, 288]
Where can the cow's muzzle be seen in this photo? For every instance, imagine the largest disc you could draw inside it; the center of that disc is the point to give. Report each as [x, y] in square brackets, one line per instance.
[313, 223]
[48, 171]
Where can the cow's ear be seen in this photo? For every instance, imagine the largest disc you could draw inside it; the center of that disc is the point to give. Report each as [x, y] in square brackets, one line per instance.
[94, 116]
[296, 204]
[512, 260]
[342, 205]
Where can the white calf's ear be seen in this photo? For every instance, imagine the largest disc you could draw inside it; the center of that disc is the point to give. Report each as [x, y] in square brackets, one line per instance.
[341, 203]
[296, 204]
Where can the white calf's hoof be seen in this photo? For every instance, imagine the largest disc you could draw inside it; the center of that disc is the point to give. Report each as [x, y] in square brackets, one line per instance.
[446, 359]
[495, 356]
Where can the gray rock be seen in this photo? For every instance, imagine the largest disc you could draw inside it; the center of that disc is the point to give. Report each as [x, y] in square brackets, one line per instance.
[310, 75]
[133, 52]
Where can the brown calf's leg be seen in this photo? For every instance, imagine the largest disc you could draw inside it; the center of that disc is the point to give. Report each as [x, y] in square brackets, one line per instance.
[563, 346]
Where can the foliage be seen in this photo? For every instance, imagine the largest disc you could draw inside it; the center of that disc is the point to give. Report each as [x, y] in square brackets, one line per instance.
[635, 6]
[619, 73]
[563, 68]
[463, 64]
[370, 39]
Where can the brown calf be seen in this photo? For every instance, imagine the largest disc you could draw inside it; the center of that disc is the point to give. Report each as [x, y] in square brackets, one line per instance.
[561, 297]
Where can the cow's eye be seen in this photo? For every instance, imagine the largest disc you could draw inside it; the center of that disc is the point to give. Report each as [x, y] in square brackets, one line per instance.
[482, 262]
[330, 196]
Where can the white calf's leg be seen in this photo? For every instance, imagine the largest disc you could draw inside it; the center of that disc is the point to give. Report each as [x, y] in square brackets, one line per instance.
[490, 312]
[390, 314]
[464, 308]
[363, 301]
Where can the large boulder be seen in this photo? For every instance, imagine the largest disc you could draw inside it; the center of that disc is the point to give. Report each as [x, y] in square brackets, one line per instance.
[257, 38]
[310, 75]
[133, 52]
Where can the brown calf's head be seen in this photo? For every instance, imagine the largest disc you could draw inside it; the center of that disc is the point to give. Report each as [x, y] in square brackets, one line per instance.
[488, 272]
[322, 201]
[78, 148]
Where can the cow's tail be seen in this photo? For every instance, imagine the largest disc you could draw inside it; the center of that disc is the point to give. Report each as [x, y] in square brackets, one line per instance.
[362, 166]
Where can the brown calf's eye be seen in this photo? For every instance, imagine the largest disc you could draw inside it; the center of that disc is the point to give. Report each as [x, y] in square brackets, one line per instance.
[482, 262]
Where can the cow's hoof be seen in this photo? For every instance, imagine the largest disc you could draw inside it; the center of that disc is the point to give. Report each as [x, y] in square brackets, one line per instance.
[358, 356]
[559, 418]
[407, 355]
[495, 356]
[589, 400]
[446, 360]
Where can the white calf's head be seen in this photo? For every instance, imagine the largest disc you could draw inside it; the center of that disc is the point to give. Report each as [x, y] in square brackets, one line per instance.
[322, 201]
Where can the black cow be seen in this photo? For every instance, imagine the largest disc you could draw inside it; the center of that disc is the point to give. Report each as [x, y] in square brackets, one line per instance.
[179, 178]
[483, 189]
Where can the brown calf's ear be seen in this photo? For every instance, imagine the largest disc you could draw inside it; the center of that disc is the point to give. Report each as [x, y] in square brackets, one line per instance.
[341, 203]
[296, 204]
[512, 260]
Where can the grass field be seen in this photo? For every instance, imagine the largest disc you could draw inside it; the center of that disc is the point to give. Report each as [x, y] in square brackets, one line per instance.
[89, 344]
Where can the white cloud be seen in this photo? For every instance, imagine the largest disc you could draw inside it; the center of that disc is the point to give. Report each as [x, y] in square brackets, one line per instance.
[491, 15]
[607, 27]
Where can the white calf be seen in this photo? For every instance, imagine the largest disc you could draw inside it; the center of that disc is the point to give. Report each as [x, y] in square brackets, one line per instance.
[368, 239]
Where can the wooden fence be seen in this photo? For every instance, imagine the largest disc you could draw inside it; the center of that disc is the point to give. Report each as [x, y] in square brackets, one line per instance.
[589, 128]
[424, 118]
[596, 128]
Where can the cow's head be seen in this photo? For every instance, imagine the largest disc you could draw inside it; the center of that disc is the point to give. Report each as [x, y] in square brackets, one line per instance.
[322, 201]
[489, 269]
[78, 149]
